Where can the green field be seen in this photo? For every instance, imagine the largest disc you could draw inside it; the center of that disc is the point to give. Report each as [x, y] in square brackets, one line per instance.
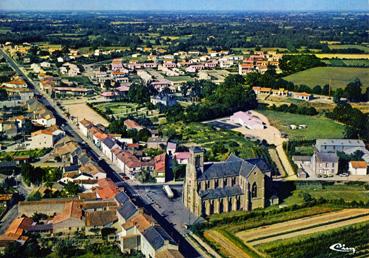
[346, 192]
[364, 48]
[317, 126]
[347, 62]
[179, 78]
[338, 76]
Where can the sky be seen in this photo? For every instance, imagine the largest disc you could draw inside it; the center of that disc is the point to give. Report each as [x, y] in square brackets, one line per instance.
[165, 5]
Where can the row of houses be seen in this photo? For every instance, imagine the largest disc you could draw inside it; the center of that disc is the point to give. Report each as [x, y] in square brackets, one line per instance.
[281, 92]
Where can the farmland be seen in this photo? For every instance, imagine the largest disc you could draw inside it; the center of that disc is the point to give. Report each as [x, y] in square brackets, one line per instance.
[338, 76]
[347, 62]
[314, 124]
[269, 234]
[343, 56]
[363, 48]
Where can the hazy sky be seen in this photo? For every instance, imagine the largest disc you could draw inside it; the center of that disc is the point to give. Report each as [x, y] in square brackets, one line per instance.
[252, 5]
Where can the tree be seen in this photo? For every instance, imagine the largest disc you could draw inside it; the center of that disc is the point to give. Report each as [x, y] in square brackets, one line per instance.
[70, 190]
[3, 94]
[138, 93]
[144, 134]
[353, 91]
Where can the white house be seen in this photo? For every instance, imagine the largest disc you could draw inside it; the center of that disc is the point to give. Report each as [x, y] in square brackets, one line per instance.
[247, 119]
[107, 146]
[358, 168]
[45, 138]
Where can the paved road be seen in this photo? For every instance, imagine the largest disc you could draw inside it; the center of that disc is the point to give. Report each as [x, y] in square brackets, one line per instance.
[92, 150]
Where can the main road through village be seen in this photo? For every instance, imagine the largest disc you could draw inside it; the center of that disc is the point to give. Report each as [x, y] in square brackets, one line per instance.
[62, 121]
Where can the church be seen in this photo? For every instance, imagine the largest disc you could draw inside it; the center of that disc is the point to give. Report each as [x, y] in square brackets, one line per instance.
[231, 185]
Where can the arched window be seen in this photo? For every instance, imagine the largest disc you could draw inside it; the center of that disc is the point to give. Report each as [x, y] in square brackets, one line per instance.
[254, 190]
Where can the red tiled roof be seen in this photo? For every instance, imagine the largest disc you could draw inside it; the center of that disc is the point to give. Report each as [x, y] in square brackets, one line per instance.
[106, 188]
[359, 164]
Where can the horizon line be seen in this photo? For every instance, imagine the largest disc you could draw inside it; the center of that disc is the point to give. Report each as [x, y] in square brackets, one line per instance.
[181, 10]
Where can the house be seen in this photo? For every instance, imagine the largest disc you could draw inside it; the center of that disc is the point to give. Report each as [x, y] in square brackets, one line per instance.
[131, 124]
[245, 68]
[159, 85]
[248, 120]
[16, 83]
[303, 96]
[16, 231]
[92, 169]
[262, 90]
[157, 142]
[167, 100]
[107, 146]
[230, 185]
[339, 145]
[139, 231]
[358, 168]
[171, 148]
[281, 92]
[84, 126]
[106, 189]
[128, 163]
[70, 219]
[324, 163]
[160, 168]
[74, 91]
[45, 138]
[182, 157]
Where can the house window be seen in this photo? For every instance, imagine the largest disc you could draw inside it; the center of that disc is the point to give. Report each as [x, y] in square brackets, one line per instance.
[254, 190]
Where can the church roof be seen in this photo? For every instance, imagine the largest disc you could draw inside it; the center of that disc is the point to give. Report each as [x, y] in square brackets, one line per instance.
[221, 192]
[233, 166]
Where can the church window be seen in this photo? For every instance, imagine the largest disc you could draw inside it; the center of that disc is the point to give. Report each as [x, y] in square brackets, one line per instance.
[254, 190]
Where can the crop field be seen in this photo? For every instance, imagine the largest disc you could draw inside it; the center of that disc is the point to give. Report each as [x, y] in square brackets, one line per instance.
[363, 48]
[268, 235]
[354, 235]
[343, 56]
[223, 236]
[339, 77]
[317, 126]
[347, 62]
[298, 227]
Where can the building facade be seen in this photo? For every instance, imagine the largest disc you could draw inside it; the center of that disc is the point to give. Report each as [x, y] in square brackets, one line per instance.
[231, 185]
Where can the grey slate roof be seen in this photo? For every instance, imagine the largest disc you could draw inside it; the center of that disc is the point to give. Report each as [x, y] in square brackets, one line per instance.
[121, 198]
[221, 192]
[233, 166]
[339, 142]
[109, 142]
[71, 168]
[327, 157]
[127, 210]
[156, 236]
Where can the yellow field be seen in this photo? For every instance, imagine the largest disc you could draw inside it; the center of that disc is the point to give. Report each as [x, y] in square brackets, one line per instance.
[344, 56]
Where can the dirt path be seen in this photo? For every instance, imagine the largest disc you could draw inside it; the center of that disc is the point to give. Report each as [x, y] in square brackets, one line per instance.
[282, 229]
[227, 247]
[274, 156]
[82, 111]
[273, 136]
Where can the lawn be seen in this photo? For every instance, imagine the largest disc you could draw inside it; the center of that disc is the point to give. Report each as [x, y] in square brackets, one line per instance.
[84, 80]
[339, 77]
[197, 134]
[317, 126]
[179, 78]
